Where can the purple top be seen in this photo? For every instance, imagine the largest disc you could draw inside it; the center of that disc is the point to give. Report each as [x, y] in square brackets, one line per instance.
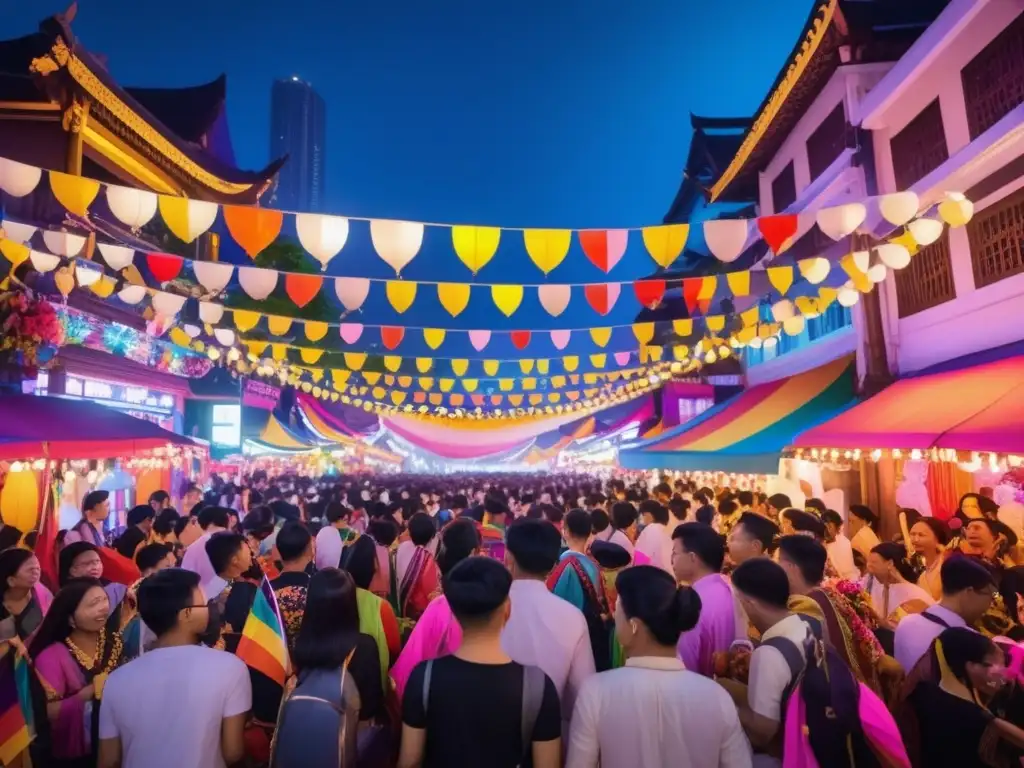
[716, 627]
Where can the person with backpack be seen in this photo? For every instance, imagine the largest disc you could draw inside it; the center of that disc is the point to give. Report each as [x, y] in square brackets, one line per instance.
[478, 707]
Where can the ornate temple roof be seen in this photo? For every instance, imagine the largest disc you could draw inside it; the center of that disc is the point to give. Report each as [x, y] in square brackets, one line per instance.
[158, 138]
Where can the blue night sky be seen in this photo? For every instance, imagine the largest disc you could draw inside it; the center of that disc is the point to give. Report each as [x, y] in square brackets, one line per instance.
[569, 113]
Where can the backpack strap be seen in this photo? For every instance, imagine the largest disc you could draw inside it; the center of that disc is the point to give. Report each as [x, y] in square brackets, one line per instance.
[534, 682]
[428, 672]
[795, 659]
[934, 619]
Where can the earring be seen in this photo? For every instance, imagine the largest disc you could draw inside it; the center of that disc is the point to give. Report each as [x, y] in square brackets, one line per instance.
[632, 625]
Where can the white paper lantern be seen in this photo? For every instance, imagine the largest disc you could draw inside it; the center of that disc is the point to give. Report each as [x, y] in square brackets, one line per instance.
[192, 331]
[847, 295]
[322, 236]
[862, 260]
[63, 243]
[117, 256]
[132, 207]
[815, 270]
[925, 231]
[726, 238]
[842, 220]
[44, 262]
[899, 207]
[19, 233]
[794, 326]
[352, 291]
[167, 304]
[225, 336]
[188, 219]
[257, 282]
[132, 294]
[893, 255]
[87, 273]
[210, 313]
[554, 298]
[18, 179]
[956, 210]
[876, 273]
[212, 275]
[783, 310]
[397, 242]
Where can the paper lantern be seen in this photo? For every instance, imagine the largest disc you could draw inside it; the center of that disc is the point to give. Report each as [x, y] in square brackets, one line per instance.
[18, 179]
[350, 332]
[848, 295]
[479, 339]
[63, 243]
[351, 291]
[560, 338]
[956, 210]
[164, 266]
[899, 207]
[187, 219]
[893, 256]
[322, 236]
[132, 294]
[925, 231]
[814, 270]
[604, 247]
[794, 326]
[475, 246]
[75, 193]
[396, 242]
[400, 294]
[876, 273]
[554, 298]
[212, 275]
[258, 283]
[19, 233]
[507, 298]
[547, 247]
[842, 220]
[192, 331]
[117, 256]
[44, 262]
[86, 274]
[210, 313]
[725, 238]
[167, 304]
[132, 207]
[225, 336]
[253, 228]
[783, 310]
[666, 242]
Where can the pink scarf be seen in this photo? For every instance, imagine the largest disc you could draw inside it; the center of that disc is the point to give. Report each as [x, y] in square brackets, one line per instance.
[436, 634]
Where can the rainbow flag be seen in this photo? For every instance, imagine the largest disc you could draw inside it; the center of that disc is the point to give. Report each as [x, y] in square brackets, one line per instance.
[16, 723]
[263, 646]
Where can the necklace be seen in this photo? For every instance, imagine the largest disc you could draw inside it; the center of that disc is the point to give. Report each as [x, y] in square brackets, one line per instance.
[94, 664]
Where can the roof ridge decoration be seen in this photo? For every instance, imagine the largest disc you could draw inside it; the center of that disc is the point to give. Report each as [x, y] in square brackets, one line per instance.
[818, 26]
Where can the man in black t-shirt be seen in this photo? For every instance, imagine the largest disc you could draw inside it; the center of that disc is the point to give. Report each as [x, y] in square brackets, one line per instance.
[480, 707]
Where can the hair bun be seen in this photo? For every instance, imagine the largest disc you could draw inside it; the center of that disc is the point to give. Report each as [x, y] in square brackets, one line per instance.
[687, 608]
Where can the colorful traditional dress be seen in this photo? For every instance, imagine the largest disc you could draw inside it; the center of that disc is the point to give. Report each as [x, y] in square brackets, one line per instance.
[577, 580]
[421, 583]
[492, 540]
[612, 559]
[377, 619]
[436, 634]
[291, 588]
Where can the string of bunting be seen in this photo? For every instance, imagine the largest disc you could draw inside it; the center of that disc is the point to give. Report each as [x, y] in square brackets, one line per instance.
[398, 242]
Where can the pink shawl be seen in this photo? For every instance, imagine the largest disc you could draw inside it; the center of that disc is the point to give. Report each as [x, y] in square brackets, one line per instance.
[436, 634]
[60, 674]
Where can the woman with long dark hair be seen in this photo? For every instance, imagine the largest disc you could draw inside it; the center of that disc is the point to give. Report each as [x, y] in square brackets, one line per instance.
[25, 599]
[74, 650]
[891, 583]
[338, 677]
[376, 616]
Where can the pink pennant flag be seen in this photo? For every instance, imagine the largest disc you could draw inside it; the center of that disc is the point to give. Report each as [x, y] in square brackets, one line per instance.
[622, 358]
[560, 338]
[350, 332]
[479, 339]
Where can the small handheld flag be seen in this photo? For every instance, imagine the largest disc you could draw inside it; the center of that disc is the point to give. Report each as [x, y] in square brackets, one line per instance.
[263, 646]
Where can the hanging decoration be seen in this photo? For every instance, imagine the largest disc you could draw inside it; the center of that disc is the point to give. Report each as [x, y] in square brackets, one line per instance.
[257, 282]
[164, 266]
[602, 296]
[18, 179]
[351, 332]
[475, 246]
[547, 248]
[604, 247]
[842, 220]
[213, 275]
[666, 242]
[899, 207]
[507, 298]
[322, 236]
[75, 193]
[778, 231]
[118, 257]
[479, 339]
[726, 238]
[134, 208]
[253, 228]
[554, 298]
[187, 219]
[400, 294]
[351, 291]
[396, 242]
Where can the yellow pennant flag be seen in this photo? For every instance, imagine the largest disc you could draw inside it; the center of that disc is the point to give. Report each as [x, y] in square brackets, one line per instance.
[104, 287]
[354, 360]
[435, 399]
[459, 367]
[446, 384]
[454, 297]
[601, 336]
[599, 361]
[590, 378]
[543, 366]
[664, 243]
[751, 316]
[515, 400]
[401, 294]
[279, 351]
[75, 193]
[378, 393]
[256, 347]
[491, 367]
[475, 246]
[529, 383]
[397, 397]
[277, 325]
[505, 385]
[682, 327]
[554, 397]
[424, 364]
[526, 365]
[558, 382]
[246, 320]
[316, 330]
[470, 385]
[739, 283]
[507, 298]
[16, 253]
[680, 352]
[434, 337]
[392, 363]
[179, 337]
[707, 288]
[536, 399]
[426, 383]
[389, 380]
[405, 381]
[644, 332]
[570, 363]
[372, 377]
[547, 247]
[781, 278]
[339, 377]
[310, 356]
[715, 323]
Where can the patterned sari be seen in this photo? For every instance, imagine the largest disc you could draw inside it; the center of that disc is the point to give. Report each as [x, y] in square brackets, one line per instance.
[420, 584]
[576, 579]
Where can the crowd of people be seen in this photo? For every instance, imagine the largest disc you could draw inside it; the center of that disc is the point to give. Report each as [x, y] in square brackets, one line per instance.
[517, 620]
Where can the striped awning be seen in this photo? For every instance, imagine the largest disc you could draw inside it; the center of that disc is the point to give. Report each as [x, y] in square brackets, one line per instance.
[275, 435]
[748, 432]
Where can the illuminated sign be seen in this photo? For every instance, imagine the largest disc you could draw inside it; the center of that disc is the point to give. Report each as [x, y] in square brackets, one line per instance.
[139, 400]
[259, 394]
[226, 428]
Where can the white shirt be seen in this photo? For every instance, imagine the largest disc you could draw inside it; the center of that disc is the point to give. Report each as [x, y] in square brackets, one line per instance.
[183, 692]
[915, 634]
[328, 548]
[548, 632]
[769, 672]
[656, 542]
[865, 540]
[195, 559]
[840, 554]
[654, 713]
[898, 595]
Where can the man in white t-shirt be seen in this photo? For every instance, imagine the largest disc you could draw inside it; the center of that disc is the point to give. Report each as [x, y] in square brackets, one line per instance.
[180, 704]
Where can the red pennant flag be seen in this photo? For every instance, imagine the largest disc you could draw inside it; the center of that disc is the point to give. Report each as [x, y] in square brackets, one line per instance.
[118, 568]
[649, 292]
[419, 397]
[691, 290]
[603, 248]
[478, 400]
[602, 296]
[302, 289]
[496, 399]
[390, 336]
[456, 400]
[164, 266]
[776, 230]
[520, 339]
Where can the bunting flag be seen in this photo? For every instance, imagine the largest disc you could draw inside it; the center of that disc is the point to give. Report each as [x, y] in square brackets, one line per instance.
[666, 242]
[604, 247]
[253, 228]
[475, 246]
[263, 646]
[17, 724]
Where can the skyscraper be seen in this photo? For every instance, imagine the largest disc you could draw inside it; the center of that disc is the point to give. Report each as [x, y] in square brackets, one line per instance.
[297, 129]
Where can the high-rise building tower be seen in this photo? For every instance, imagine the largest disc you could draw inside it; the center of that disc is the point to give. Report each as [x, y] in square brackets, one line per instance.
[297, 129]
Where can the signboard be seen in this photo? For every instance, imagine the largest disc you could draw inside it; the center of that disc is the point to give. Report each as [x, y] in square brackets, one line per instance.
[226, 425]
[259, 394]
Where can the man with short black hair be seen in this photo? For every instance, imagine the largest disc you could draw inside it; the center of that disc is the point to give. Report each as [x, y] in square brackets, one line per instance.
[154, 557]
[655, 540]
[477, 706]
[418, 577]
[332, 538]
[728, 515]
[698, 553]
[745, 499]
[158, 693]
[295, 547]
[967, 591]
[212, 520]
[662, 493]
[95, 510]
[776, 503]
[840, 550]
[544, 629]
[753, 536]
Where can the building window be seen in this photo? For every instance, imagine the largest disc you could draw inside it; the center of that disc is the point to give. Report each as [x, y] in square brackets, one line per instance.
[827, 142]
[928, 281]
[994, 79]
[920, 147]
[996, 235]
[784, 189]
